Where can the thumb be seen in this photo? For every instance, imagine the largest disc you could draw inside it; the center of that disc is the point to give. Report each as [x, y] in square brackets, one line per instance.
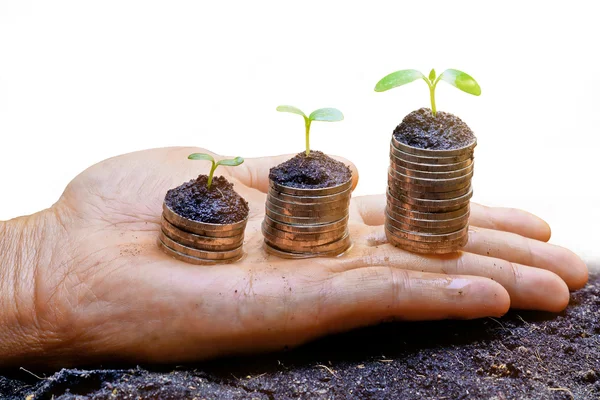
[254, 172]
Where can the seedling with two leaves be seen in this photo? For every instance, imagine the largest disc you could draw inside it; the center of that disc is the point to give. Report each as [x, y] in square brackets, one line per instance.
[456, 78]
[203, 156]
[322, 114]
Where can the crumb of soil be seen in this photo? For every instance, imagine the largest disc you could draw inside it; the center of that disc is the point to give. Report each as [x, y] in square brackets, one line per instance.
[218, 205]
[445, 131]
[524, 355]
[314, 171]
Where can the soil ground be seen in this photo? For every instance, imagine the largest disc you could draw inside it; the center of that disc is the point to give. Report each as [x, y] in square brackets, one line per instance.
[317, 170]
[524, 355]
[445, 131]
[218, 205]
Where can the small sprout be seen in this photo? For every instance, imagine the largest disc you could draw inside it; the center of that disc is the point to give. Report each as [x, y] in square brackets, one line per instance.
[456, 78]
[203, 156]
[322, 114]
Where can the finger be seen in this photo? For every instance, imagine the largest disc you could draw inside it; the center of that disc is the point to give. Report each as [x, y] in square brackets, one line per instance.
[521, 250]
[369, 295]
[372, 211]
[254, 172]
[510, 220]
[528, 287]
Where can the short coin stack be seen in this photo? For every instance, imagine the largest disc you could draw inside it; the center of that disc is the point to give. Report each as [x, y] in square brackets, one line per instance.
[198, 242]
[304, 223]
[428, 198]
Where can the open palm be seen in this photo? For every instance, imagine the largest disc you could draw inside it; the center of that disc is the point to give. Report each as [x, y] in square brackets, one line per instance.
[111, 293]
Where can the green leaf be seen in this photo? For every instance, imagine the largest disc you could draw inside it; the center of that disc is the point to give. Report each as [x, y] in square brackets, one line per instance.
[231, 163]
[291, 109]
[326, 114]
[432, 75]
[201, 156]
[398, 78]
[461, 80]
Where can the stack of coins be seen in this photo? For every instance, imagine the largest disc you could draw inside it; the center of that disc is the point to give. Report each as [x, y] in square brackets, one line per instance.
[304, 223]
[198, 242]
[428, 198]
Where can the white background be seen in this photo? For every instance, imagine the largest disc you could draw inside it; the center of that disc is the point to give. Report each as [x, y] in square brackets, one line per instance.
[81, 81]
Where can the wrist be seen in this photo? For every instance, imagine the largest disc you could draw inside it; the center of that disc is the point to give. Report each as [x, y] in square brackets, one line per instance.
[23, 251]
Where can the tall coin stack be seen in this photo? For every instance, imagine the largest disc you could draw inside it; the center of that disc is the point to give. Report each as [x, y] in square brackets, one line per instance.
[304, 223]
[198, 242]
[428, 198]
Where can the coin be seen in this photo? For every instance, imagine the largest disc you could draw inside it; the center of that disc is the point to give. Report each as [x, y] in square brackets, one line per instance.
[344, 202]
[297, 244]
[444, 205]
[433, 153]
[398, 219]
[431, 175]
[402, 192]
[320, 228]
[432, 216]
[336, 246]
[305, 220]
[310, 192]
[208, 255]
[426, 247]
[330, 235]
[342, 196]
[201, 242]
[429, 160]
[194, 260]
[449, 237]
[429, 185]
[430, 167]
[298, 213]
[299, 256]
[202, 228]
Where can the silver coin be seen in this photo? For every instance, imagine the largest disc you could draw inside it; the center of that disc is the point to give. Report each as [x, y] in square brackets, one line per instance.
[423, 205]
[337, 246]
[403, 190]
[308, 213]
[321, 228]
[431, 216]
[431, 175]
[428, 237]
[201, 242]
[426, 248]
[305, 237]
[297, 245]
[340, 203]
[202, 254]
[342, 196]
[299, 256]
[429, 185]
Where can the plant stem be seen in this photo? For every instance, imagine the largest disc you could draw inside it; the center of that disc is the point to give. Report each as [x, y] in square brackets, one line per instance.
[307, 126]
[210, 175]
[432, 96]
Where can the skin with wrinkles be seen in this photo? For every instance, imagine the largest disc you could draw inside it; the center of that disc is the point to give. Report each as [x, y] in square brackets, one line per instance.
[84, 281]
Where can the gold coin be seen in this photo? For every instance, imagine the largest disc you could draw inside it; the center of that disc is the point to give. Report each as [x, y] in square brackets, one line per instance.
[297, 245]
[310, 192]
[412, 224]
[207, 255]
[426, 248]
[431, 216]
[429, 186]
[298, 213]
[402, 192]
[194, 260]
[433, 153]
[342, 203]
[202, 228]
[427, 237]
[430, 167]
[201, 242]
[318, 220]
[342, 196]
[431, 175]
[429, 160]
[435, 206]
[320, 228]
[298, 256]
[303, 237]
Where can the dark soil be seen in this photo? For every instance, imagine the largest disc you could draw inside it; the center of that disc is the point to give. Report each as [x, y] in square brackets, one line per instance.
[314, 171]
[218, 205]
[445, 131]
[525, 355]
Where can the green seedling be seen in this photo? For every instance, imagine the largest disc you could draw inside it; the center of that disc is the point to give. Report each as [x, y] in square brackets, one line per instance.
[202, 156]
[456, 78]
[322, 114]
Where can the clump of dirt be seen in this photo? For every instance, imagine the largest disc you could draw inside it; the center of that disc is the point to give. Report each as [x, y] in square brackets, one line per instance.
[524, 355]
[445, 131]
[314, 171]
[218, 205]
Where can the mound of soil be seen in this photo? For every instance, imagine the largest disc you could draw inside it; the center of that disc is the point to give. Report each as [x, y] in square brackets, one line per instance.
[218, 205]
[445, 131]
[314, 171]
[524, 355]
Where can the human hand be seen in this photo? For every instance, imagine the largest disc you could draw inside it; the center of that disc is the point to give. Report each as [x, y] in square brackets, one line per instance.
[85, 281]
